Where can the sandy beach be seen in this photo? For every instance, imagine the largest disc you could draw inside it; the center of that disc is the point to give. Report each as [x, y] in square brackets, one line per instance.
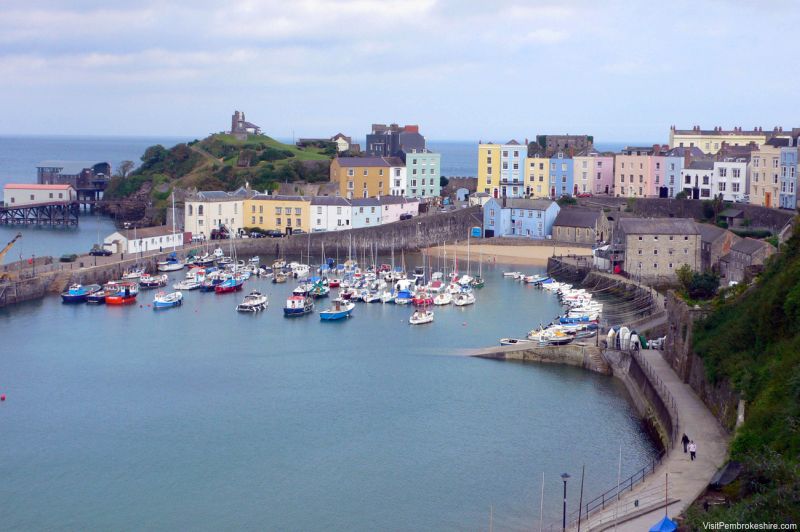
[533, 255]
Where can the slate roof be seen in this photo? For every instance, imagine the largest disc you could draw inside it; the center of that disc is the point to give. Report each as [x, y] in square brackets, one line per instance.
[710, 233]
[779, 142]
[701, 165]
[148, 232]
[658, 226]
[366, 202]
[278, 197]
[385, 162]
[730, 212]
[682, 151]
[577, 218]
[330, 200]
[531, 204]
[214, 195]
[748, 246]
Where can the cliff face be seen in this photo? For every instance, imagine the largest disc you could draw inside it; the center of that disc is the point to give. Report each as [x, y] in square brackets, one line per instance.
[720, 397]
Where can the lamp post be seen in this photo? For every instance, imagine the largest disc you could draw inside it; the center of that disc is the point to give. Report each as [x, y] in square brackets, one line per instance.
[564, 477]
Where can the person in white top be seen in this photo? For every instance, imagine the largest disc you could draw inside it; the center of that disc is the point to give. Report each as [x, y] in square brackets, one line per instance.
[692, 450]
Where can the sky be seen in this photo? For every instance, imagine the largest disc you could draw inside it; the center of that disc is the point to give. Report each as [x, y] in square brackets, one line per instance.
[462, 69]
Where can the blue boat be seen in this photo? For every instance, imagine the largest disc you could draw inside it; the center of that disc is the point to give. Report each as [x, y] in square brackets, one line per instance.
[77, 293]
[162, 300]
[298, 306]
[340, 310]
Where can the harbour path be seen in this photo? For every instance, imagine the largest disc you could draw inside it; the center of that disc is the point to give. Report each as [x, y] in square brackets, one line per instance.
[686, 479]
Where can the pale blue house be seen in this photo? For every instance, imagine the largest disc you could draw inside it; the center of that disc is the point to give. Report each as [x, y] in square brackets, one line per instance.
[562, 176]
[366, 212]
[527, 218]
[789, 174]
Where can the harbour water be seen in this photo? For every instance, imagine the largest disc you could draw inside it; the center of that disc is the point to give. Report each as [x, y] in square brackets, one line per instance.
[202, 418]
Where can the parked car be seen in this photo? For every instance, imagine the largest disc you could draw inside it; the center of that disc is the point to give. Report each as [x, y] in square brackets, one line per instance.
[406, 216]
[274, 233]
[100, 251]
[68, 257]
[298, 232]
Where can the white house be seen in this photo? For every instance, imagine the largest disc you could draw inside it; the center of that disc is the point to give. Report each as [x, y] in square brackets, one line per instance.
[159, 238]
[393, 207]
[214, 209]
[479, 198]
[696, 179]
[731, 178]
[342, 142]
[330, 213]
[398, 181]
[15, 194]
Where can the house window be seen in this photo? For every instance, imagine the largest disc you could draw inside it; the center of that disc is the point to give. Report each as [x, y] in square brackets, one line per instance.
[319, 210]
[299, 222]
[51, 194]
[200, 210]
[277, 210]
[297, 210]
[252, 219]
[350, 172]
[365, 171]
[277, 221]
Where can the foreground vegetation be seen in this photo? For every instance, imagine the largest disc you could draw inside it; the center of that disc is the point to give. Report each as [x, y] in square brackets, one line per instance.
[753, 341]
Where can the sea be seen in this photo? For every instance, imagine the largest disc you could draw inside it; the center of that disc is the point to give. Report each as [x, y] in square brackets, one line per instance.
[19, 156]
[201, 418]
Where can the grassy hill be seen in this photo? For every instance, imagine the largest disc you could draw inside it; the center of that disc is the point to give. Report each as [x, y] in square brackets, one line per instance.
[220, 162]
[753, 341]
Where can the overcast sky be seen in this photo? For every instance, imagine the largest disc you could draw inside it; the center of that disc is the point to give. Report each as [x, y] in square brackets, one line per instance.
[491, 70]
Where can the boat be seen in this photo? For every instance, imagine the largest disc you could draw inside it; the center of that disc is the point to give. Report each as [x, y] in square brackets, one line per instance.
[419, 317]
[463, 298]
[133, 274]
[298, 306]
[515, 341]
[387, 297]
[511, 274]
[339, 310]
[254, 260]
[153, 281]
[170, 264]
[334, 282]
[96, 297]
[278, 276]
[443, 298]
[121, 293]
[422, 300]
[255, 301]
[77, 293]
[232, 284]
[186, 284]
[164, 300]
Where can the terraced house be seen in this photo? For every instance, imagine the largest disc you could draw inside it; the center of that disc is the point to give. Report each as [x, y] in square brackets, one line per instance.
[501, 169]
[765, 183]
[364, 177]
[215, 210]
[281, 213]
[639, 171]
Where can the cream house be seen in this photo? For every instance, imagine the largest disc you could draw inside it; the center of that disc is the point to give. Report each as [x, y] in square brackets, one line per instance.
[215, 209]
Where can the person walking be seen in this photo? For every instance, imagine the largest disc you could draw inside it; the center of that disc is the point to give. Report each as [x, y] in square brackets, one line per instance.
[685, 442]
[692, 450]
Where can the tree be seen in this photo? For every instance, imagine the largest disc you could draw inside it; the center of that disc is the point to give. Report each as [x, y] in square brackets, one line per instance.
[443, 181]
[684, 275]
[124, 168]
[681, 195]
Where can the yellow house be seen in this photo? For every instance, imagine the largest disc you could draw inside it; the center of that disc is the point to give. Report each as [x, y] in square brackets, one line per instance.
[281, 213]
[537, 176]
[765, 181]
[366, 177]
[489, 169]
[710, 140]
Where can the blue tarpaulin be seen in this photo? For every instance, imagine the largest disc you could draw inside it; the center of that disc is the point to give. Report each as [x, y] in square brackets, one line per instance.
[665, 525]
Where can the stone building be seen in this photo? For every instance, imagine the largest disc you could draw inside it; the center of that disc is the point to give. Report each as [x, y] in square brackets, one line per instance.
[564, 143]
[715, 243]
[580, 226]
[240, 127]
[654, 248]
[746, 258]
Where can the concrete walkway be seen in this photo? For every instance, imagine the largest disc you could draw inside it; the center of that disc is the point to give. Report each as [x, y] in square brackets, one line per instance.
[687, 479]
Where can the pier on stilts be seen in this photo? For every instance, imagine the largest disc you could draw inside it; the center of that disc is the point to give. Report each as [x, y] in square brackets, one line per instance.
[59, 213]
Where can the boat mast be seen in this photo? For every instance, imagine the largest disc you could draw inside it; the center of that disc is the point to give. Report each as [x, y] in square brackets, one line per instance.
[173, 220]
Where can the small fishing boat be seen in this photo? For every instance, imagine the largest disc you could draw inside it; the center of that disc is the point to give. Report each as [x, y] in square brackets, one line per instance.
[419, 317]
[478, 282]
[387, 297]
[254, 260]
[463, 298]
[133, 274]
[121, 293]
[233, 284]
[255, 301]
[514, 341]
[443, 298]
[153, 281]
[170, 264]
[186, 284]
[278, 276]
[334, 282]
[77, 293]
[298, 306]
[511, 274]
[163, 300]
[96, 294]
[422, 300]
[339, 310]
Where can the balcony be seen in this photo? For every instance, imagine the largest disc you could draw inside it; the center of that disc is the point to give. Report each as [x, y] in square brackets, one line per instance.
[512, 181]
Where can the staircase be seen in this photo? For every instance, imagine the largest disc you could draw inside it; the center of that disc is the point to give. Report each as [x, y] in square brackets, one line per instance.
[596, 362]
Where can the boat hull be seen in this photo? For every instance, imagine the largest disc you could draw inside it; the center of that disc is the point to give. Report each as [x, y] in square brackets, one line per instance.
[294, 312]
[330, 316]
[120, 300]
[171, 304]
[74, 298]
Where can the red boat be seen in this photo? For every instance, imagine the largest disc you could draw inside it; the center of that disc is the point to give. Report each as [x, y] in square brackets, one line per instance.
[121, 293]
[233, 284]
[422, 300]
[334, 283]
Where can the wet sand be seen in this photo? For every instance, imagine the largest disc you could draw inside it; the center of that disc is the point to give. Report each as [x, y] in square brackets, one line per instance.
[535, 255]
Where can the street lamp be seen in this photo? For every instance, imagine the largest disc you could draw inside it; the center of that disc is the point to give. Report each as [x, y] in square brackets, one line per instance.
[564, 477]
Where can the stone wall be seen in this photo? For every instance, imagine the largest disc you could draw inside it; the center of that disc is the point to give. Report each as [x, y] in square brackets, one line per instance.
[582, 356]
[720, 398]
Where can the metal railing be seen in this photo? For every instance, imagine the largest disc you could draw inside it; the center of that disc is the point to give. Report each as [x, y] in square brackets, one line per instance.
[662, 391]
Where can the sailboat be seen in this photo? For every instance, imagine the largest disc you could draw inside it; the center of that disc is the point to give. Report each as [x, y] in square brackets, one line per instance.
[478, 282]
[171, 263]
